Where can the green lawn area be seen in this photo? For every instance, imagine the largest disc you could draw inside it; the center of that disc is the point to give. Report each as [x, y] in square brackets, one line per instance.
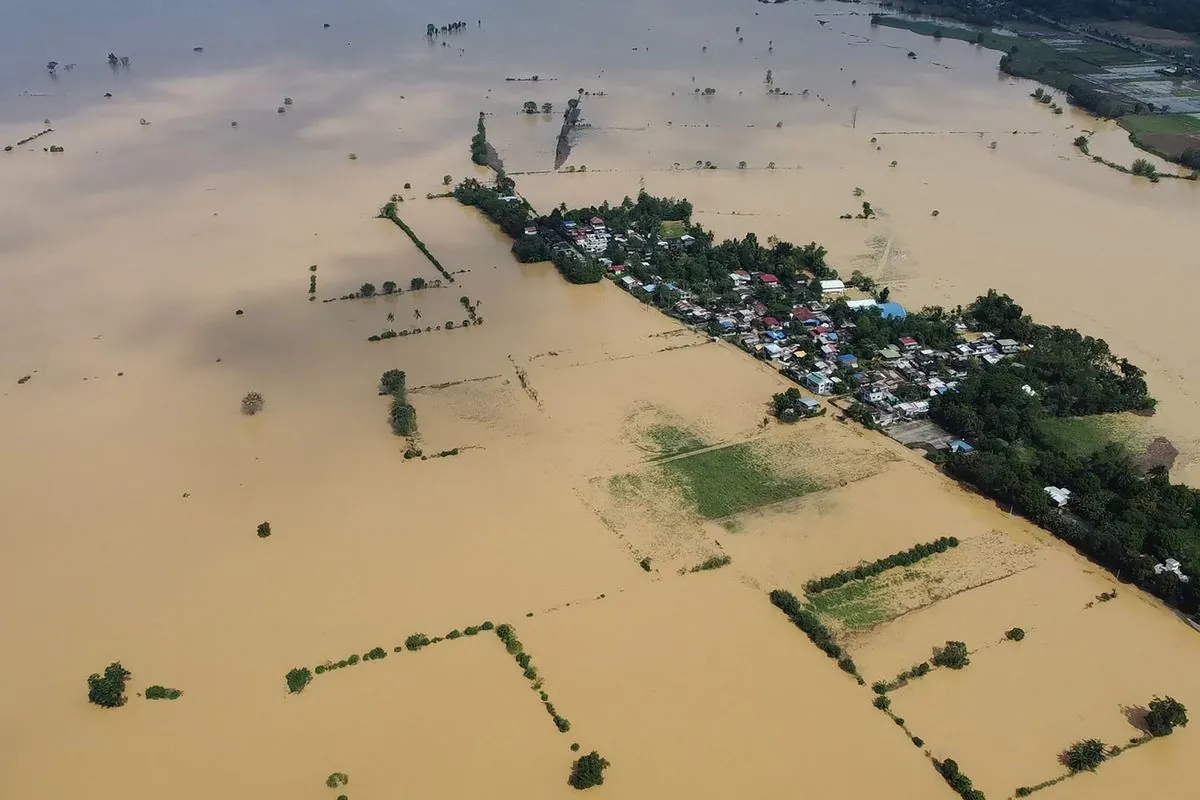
[992, 41]
[1082, 436]
[1160, 123]
[855, 605]
[730, 480]
[672, 229]
[669, 440]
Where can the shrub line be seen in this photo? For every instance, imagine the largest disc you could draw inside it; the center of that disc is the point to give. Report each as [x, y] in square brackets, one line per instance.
[816, 631]
[903, 558]
[389, 212]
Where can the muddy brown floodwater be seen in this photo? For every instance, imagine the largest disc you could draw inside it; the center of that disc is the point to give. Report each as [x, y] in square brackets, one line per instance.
[132, 485]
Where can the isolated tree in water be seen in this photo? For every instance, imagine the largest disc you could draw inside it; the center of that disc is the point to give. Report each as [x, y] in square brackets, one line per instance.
[588, 771]
[1166, 714]
[253, 403]
[108, 690]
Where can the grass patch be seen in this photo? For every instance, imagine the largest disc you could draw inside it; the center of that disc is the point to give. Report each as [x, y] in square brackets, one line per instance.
[730, 480]
[672, 229]
[1160, 123]
[157, 692]
[712, 562]
[1083, 436]
[669, 440]
[988, 39]
[855, 605]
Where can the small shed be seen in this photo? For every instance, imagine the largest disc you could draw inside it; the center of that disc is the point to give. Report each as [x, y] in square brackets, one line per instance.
[1060, 497]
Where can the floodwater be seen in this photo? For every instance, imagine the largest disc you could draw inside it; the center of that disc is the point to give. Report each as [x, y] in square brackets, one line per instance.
[132, 486]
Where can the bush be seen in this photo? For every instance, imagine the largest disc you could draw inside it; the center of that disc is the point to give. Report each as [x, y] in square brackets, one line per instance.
[264, 530]
[298, 678]
[954, 655]
[416, 283]
[367, 289]
[392, 382]
[337, 779]
[454, 634]
[588, 771]
[108, 690]
[403, 418]
[1085, 755]
[713, 562]
[389, 287]
[562, 724]
[1165, 715]
[902, 559]
[487, 625]
[416, 641]
[575, 747]
[157, 692]
[645, 564]
[253, 403]
[1014, 634]
[812, 626]
[1144, 168]
[918, 741]
[352, 660]
[882, 702]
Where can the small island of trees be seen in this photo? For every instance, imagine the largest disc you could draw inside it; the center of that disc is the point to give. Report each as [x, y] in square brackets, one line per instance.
[108, 690]
[588, 771]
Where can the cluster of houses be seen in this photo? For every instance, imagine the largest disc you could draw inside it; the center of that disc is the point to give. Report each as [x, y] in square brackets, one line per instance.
[591, 239]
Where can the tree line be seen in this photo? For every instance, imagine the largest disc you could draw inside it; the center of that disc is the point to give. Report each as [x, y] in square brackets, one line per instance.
[401, 414]
[816, 631]
[902, 559]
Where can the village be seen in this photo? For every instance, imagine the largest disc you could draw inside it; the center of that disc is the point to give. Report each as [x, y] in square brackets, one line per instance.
[887, 387]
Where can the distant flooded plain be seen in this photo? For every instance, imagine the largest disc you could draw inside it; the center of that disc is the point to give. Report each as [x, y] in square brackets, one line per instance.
[154, 273]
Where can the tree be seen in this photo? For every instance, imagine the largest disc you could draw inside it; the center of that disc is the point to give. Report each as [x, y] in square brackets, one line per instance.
[953, 655]
[389, 287]
[588, 771]
[1190, 157]
[298, 678]
[1014, 634]
[447, 180]
[530, 107]
[1144, 168]
[416, 283]
[108, 690]
[392, 382]
[741, 165]
[367, 289]
[547, 108]
[403, 418]
[253, 403]
[1166, 714]
[264, 530]
[1085, 755]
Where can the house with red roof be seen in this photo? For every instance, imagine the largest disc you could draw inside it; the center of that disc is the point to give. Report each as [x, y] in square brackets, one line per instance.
[768, 278]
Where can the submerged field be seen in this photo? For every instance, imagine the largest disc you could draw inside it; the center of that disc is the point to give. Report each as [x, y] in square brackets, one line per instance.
[590, 448]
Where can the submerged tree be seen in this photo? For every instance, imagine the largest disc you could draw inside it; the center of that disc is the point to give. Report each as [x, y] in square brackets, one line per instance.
[1166, 714]
[253, 403]
[1085, 755]
[588, 771]
[108, 690]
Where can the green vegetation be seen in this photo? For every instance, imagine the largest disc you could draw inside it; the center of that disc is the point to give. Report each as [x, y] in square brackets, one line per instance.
[1014, 634]
[1122, 517]
[512, 644]
[108, 690]
[645, 564]
[733, 479]
[712, 562]
[157, 692]
[393, 382]
[1085, 755]
[672, 228]
[669, 440]
[855, 605]
[264, 530]
[910, 674]
[1141, 124]
[959, 782]
[337, 779]
[388, 211]
[479, 146]
[904, 558]
[298, 678]
[954, 656]
[416, 641]
[416, 283]
[812, 626]
[1085, 436]
[788, 406]
[401, 415]
[1166, 714]
[588, 771]
[1144, 168]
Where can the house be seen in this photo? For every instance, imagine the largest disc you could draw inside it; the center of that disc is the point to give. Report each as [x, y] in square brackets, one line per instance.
[889, 353]
[909, 343]
[802, 314]
[859, 305]
[773, 350]
[687, 240]
[821, 384]
[740, 276]
[810, 407]
[1060, 497]
[629, 282]
[1173, 566]
[531, 230]
[759, 310]
[1008, 345]
[597, 222]
[770, 322]
[848, 360]
[768, 279]
[833, 287]
[959, 446]
[892, 311]
[616, 269]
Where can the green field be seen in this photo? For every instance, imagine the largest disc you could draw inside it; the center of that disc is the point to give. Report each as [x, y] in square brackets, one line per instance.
[670, 440]
[730, 480]
[1160, 123]
[855, 605]
[672, 229]
[1082, 436]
